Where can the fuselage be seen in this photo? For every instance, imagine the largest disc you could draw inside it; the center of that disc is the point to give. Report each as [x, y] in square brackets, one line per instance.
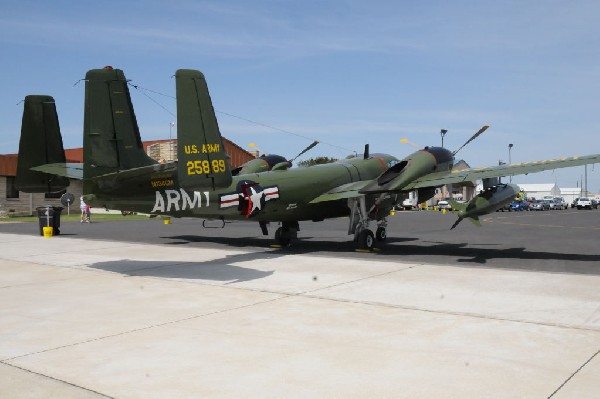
[281, 195]
[276, 195]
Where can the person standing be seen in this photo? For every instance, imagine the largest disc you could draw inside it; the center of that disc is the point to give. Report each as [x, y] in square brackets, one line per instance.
[84, 210]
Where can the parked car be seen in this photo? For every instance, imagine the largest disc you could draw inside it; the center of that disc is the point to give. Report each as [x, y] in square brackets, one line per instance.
[518, 205]
[443, 204]
[584, 203]
[524, 205]
[560, 203]
[594, 204]
[574, 203]
[507, 207]
[539, 205]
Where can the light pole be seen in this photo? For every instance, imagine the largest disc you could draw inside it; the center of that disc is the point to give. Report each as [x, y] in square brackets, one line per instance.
[171, 124]
[510, 146]
[443, 133]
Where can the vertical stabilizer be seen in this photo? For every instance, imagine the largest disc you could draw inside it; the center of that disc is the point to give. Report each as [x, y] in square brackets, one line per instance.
[202, 162]
[40, 144]
[111, 137]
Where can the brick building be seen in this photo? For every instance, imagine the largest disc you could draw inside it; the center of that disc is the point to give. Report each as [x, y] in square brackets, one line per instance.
[14, 202]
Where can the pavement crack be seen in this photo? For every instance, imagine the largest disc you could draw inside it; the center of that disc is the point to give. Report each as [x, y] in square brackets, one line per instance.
[56, 379]
[574, 373]
[146, 328]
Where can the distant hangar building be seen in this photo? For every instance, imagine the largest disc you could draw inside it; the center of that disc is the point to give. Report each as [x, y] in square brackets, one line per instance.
[539, 191]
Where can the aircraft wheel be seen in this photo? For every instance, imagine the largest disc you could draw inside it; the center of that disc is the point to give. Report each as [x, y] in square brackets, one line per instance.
[282, 237]
[366, 240]
[381, 234]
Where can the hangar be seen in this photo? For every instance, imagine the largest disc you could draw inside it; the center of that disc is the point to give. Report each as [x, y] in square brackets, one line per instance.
[541, 190]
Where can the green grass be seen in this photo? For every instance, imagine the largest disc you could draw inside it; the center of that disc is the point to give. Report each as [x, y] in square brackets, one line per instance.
[75, 217]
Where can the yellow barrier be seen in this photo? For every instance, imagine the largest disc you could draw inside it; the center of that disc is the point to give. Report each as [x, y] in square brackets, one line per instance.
[167, 221]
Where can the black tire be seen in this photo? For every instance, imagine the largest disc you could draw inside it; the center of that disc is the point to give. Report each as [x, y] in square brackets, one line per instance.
[282, 237]
[366, 239]
[381, 234]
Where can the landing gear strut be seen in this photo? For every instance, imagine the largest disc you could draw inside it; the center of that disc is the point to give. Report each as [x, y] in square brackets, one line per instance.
[286, 233]
[359, 225]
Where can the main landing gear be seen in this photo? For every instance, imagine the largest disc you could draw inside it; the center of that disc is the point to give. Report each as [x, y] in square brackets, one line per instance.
[359, 225]
[286, 233]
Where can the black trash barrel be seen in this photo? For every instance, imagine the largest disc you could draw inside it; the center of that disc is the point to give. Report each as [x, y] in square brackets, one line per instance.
[49, 216]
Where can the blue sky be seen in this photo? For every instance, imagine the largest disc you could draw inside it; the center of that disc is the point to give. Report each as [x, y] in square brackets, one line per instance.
[345, 73]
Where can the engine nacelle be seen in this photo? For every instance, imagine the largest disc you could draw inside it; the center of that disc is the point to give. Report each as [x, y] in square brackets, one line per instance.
[487, 201]
[261, 164]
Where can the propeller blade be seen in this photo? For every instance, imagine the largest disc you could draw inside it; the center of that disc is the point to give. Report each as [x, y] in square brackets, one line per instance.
[483, 129]
[310, 147]
[410, 143]
[456, 223]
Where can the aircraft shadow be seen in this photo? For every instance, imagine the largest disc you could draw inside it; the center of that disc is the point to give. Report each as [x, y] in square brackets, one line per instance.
[463, 254]
[447, 254]
[216, 270]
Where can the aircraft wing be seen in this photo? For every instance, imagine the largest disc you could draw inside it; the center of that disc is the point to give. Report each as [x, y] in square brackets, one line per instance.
[349, 190]
[472, 174]
[68, 169]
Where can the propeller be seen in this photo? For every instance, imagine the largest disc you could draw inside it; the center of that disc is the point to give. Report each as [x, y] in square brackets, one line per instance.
[483, 129]
[310, 147]
[410, 143]
[456, 223]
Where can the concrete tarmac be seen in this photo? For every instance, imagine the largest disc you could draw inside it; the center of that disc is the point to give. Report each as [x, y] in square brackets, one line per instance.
[173, 313]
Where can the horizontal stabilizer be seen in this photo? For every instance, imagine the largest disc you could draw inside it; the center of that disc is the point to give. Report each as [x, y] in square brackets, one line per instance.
[135, 173]
[40, 144]
[202, 161]
[70, 170]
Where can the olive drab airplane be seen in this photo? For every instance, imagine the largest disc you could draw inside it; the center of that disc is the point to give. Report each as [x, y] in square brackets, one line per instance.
[118, 174]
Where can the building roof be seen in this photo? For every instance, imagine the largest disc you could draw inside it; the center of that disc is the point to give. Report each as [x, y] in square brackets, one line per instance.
[571, 190]
[8, 165]
[237, 156]
[538, 187]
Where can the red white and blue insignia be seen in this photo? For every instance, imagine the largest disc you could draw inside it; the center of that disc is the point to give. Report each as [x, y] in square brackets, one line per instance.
[250, 198]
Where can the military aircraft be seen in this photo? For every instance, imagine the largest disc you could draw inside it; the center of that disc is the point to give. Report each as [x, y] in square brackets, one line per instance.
[118, 174]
